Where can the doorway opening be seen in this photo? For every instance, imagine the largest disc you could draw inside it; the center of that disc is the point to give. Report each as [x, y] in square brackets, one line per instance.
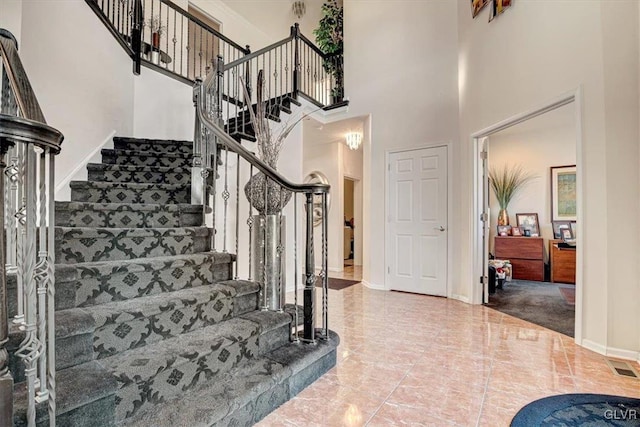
[530, 268]
[349, 223]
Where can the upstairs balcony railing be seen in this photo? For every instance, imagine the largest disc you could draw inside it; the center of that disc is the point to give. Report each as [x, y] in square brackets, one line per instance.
[162, 36]
[27, 163]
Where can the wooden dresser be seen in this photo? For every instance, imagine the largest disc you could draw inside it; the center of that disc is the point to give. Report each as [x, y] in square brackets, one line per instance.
[563, 263]
[526, 255]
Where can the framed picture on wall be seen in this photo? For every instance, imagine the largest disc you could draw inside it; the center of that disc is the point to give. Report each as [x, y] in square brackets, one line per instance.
[477, 5]
[528, 222]
[558, 226]
[563, 193]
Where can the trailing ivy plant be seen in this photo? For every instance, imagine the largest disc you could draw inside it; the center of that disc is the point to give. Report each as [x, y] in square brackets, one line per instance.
[329, 36]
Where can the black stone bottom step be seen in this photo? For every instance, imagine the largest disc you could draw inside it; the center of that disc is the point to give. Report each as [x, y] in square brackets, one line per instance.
[247, 393]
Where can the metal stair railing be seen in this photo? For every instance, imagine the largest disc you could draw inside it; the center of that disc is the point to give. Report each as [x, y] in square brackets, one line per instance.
[27, 162]
[212, 142]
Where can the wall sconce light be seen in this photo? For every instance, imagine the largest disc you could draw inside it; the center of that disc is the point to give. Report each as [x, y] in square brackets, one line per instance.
[354, 139]
[299, 8]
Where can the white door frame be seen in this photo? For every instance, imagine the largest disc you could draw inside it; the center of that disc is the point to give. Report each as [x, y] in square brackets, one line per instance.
[574, 97]
[387, 154]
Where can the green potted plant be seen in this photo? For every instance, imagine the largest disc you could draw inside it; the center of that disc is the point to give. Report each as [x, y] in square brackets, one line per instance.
[329, 36]
[506, 183]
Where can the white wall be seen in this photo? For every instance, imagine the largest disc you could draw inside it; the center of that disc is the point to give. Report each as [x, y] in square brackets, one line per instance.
[536, 145]
[11, 17]
[163, 107]
[80, 74]
[525, 58]
[327, 158]
[400, 67]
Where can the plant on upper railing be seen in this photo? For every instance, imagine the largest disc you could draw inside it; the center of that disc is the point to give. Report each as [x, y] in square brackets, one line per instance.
[157, 30]
[329, 36]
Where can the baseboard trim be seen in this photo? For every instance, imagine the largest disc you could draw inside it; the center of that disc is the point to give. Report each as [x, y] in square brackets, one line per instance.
[461, 298]
[373, 286]
[618, 353]
[79, 173]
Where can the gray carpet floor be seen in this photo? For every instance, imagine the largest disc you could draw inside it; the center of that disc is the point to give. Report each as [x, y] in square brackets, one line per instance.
[537, 302]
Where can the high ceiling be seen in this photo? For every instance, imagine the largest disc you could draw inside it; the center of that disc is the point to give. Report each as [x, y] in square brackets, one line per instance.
[275, 17]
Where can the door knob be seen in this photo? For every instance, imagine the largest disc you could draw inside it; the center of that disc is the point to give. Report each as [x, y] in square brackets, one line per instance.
[441, 228]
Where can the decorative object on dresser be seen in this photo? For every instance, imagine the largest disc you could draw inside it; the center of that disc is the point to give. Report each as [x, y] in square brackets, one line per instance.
[504, 230]
[563, 193]
[528, 221]
[516, 232]
[563, 262]
[526, 255]
[506, 183]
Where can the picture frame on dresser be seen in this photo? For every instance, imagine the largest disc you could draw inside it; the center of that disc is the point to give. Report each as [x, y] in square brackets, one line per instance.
[516, 232]
[528, 221]
[563, 193]
[558, 226]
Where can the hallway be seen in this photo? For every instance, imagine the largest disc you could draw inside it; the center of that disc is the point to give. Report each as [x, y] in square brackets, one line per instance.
[406, 359]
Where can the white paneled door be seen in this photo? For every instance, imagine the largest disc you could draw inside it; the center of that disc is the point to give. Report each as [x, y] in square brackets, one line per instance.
[417, 221]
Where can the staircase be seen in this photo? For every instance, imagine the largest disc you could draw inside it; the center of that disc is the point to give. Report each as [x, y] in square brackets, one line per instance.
[151, 330]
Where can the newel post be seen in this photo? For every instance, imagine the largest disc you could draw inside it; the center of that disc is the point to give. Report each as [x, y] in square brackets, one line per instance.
[310, 277]
[295, 33]
[136, 35]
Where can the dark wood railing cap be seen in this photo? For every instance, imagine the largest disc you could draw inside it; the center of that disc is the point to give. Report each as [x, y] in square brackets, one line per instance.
[19, 130]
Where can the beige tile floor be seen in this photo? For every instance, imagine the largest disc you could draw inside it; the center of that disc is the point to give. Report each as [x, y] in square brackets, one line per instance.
[415, 360]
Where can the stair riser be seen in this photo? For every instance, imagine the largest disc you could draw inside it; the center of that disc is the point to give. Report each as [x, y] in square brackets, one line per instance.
[91, 287]
[128, 331]
[112, 247]
[140, 160]
[70, 351]
[137, 145]
[122, 194]
[99, 413]
[147, 177]
[257, 409]
[123, 217]
[172, 380]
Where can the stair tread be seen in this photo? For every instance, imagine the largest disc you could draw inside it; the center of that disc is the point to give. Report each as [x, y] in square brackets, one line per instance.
[251, 390]
[136, 168]
[145, 362]
[133, 185]
[152, 141]
[138, 153]
[63, 271]
[146, 306]
[103, 232]
[129, 206]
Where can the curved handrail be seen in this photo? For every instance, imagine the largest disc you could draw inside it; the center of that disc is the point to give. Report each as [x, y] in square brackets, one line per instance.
[22, 90]
[234, 146]
[17, 129]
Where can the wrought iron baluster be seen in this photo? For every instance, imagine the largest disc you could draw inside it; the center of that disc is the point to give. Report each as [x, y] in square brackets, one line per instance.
[225, 198]
[6, 380]
[40, 277]
[325, 268]
[30, 347]
[296, 338]
[250, 218]
[237, 252]
[280, 256]
[51, 295]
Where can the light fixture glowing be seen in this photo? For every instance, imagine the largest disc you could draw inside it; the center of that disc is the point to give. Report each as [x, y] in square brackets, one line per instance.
[354, 139]
[299, 8]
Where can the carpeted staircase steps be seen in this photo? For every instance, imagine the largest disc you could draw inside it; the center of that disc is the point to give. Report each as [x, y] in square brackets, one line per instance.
[150, 327]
